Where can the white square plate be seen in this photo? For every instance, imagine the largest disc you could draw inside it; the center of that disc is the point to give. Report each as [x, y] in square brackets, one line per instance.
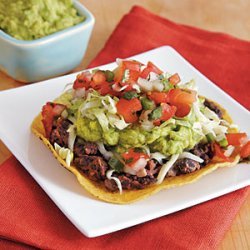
[92, 217]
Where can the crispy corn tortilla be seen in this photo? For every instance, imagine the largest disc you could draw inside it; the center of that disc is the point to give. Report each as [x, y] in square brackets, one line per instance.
[99, 191]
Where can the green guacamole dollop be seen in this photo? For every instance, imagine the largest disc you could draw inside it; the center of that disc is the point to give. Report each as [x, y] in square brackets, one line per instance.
[33, 19]
[171, 137]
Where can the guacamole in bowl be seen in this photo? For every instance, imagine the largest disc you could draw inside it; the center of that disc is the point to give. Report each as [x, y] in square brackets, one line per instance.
[33, 19]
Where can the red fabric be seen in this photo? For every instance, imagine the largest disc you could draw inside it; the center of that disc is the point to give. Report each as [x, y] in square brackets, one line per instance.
[28, 216]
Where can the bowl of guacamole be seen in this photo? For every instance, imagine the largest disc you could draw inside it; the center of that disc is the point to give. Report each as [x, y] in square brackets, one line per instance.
[40, 39]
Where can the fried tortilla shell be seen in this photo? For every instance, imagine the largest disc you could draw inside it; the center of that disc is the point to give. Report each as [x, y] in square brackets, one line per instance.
[100, 192]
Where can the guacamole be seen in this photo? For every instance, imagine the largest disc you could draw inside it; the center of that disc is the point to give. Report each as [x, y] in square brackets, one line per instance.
[33, 19]
[171, 137]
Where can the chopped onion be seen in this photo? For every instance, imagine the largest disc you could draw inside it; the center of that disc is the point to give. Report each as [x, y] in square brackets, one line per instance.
[229, 151]
[136, 87]
[117, 181]
[79, 92]
[106, 154]
[116, 87]
[158, 156]
[142, 173]
[153, 76]
[147, 125]
[145, 84]
[166, 167]
[136, 167]
[157, 85]
[190, 156]
[72, 137]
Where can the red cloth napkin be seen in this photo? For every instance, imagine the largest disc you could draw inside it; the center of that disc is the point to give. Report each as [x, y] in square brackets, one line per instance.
[28, 218]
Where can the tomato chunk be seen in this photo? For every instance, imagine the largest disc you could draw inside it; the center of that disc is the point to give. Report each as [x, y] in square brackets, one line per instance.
[144, 74]
[245, 151]
[132, 65]
[158, 97]
[182, 110]
[83, 80]
[133, 68]
[131, 156]
[150, 68]
[128, 109]
[167, 111]
[99, 77]
[154, 68]
[106, 88]
[174, 79]
[236, 139]
[180, 96]
[49, 112]
[119, 72]
[182, 100]
[219, 154]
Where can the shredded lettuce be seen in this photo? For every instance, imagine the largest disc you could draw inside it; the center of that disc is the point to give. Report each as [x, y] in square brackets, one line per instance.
[103, 108]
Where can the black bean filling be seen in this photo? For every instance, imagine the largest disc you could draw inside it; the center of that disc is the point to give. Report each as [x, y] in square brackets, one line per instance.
[214, 108]
[90, 162]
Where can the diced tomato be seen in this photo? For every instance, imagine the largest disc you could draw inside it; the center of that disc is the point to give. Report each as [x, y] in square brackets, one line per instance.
[99, 77]
[236, 139]
[182, 100]
[158, 97]
[131, 156]
[106, 88]
[144, 74]
[119, 72]
[167, 111]
[182, 110]
[82, 80]
[150, 68]
[134, 72]
[157, 122]
[49, 112]
[128, 109]
[133, 76]
[219, 154]
[132, 65]
[180, 96]
[174, 79]
[154, 68]
[245, 150]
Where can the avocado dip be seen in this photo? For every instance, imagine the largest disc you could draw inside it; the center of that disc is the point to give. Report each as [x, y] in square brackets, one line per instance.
[33, 19]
